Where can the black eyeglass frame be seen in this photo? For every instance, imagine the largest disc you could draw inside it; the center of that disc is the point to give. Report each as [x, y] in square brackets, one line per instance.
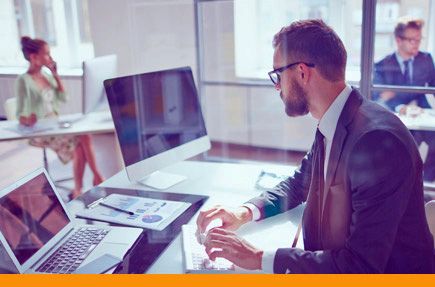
[282, 69]
[411, 40]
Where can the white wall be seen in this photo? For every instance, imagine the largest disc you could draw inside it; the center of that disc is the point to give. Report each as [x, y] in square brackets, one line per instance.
[147, 35]
[150, 35]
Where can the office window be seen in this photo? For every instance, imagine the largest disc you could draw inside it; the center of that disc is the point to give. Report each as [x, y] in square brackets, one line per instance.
[64, 25]
[387, 14]
[388, 47]
[43, 20]
[85, 28]
[256, 21]
[244, 114]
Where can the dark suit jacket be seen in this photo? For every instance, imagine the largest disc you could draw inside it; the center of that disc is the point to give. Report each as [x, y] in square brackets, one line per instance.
[372, 218]
[387, 72]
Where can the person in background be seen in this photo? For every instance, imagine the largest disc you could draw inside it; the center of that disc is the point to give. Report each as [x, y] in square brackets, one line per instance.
[38, 94]
[408, 66]
[361, 180]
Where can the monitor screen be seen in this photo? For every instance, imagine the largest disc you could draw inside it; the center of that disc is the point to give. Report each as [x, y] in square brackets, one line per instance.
[30, 216]
[95, 71]
[155, 113]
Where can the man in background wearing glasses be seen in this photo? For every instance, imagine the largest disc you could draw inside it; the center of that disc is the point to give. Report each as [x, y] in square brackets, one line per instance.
[361, 180]
[408, 67]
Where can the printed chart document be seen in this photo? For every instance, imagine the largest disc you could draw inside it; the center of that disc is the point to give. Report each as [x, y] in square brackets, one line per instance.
[148, 213]
[40, 126]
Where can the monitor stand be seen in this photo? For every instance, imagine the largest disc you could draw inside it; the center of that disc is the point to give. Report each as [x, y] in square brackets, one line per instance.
[162, 180]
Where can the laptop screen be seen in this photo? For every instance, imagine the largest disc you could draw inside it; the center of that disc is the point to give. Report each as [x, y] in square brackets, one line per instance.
[30, 216]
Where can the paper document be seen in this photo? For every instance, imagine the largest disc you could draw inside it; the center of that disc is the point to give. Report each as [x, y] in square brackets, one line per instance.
[40, 126]
[24, 130]
[148, 213]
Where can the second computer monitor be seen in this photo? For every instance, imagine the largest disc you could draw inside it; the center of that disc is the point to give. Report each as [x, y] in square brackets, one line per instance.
[95, 71]
[158, 122]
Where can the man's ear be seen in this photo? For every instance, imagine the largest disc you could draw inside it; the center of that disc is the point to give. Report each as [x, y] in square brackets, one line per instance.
[304, 72]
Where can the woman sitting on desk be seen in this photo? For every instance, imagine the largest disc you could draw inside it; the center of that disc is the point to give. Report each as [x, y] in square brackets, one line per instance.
[37, 95]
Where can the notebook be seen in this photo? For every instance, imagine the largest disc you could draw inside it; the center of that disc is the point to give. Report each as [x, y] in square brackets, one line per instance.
[35, 224]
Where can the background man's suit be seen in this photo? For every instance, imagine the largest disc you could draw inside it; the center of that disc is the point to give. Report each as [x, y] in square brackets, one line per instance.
[387, 72]
[371, 218]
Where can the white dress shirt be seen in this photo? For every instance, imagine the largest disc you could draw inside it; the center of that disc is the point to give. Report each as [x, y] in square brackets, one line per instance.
[327, 126]
[401, 62]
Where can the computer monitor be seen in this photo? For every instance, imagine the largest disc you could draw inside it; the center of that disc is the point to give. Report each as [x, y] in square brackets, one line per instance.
[158, 122]
[95, 71]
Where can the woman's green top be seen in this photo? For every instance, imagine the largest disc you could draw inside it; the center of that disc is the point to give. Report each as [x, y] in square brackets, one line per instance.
[30, 98]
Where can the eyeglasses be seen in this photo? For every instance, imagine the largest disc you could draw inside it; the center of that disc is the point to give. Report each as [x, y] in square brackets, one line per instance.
[412, 40]
[276, 78]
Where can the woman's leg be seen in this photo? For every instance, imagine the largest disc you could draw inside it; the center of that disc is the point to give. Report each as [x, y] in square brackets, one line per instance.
[78, 170]
[88, 149]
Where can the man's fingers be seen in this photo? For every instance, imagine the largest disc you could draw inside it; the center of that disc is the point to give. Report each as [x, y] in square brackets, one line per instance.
[220, 253]
[219, 230]
[206, 217]
[216, 245]
[216, 239]
[200, 221]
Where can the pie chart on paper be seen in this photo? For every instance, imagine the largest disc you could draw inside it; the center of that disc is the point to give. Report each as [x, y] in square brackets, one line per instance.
[151, 218]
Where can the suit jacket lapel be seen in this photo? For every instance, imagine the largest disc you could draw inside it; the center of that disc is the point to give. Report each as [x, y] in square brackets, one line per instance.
[334, 156]
[352, 104]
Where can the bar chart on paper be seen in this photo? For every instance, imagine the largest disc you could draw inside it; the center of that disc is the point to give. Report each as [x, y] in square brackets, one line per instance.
[124, 203]
[146, 212]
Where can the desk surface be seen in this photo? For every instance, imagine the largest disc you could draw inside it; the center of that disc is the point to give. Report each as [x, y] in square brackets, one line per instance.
[423, 122]
[224, 183]
[98, 122]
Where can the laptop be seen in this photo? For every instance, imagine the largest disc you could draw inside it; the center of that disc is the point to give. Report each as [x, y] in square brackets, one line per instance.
[39, 235]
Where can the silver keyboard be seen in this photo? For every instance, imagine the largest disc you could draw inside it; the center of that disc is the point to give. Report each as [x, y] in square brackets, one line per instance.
[68, 257]
[196, 259]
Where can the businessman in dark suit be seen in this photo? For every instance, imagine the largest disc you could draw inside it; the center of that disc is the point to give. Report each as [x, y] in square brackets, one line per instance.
[408, 67]
[361, 180]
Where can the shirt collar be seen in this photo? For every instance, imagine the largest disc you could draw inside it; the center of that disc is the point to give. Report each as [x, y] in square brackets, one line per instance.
[401, 60]
[328, 122]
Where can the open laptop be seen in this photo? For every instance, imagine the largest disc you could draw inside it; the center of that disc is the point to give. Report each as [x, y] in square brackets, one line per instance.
[39, 235]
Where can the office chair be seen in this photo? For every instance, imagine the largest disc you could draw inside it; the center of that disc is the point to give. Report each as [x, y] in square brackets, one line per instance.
[430, 216]
[10, 107]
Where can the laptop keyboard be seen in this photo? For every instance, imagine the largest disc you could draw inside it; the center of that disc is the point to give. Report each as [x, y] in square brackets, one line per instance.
[68, 257]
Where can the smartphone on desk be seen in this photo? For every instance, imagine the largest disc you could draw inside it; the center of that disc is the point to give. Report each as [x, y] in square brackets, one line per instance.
[100, 265]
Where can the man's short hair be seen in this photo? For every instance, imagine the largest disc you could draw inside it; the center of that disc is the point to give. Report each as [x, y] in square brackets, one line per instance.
[313, 41]
[407, 22]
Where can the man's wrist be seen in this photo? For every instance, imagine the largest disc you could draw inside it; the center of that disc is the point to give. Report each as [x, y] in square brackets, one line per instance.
[245, 214]
[267, 260]
[255, 212]
[259, 256]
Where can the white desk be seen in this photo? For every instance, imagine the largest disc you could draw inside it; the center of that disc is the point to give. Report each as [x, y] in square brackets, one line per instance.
[227, 184]
[423, 122]
[98, 122]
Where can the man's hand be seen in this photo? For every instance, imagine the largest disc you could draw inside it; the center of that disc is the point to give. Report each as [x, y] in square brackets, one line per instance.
[226, 244]
[232, 218]
[28, 121]
[387, 96]
[411, 110]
